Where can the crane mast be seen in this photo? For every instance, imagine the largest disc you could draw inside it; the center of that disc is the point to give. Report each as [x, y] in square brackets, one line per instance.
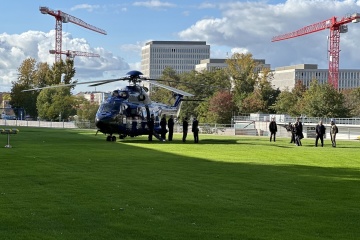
[336, 27]
[60, 18]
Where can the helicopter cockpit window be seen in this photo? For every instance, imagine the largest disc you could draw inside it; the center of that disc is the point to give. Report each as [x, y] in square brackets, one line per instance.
[115, 93]
[113, 106]
[123, 94]
[120, 94]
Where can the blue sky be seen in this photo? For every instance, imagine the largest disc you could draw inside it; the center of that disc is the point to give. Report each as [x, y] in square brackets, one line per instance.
[228, 26]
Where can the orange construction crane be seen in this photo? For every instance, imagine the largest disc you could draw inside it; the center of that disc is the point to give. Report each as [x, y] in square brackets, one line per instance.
[62, 17]
[336, 27]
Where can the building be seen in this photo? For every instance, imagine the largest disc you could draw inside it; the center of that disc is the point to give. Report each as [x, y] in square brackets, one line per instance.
[214, 64]
[182, 56]
[210, 64]
[286, 77]
[94, 97]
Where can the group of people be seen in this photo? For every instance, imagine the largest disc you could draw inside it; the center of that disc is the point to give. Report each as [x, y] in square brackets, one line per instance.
[320, 132]
[169, 124]
[296, 130]
[194, 129]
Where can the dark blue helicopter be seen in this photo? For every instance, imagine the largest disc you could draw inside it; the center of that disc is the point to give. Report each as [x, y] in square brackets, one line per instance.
[127, 111]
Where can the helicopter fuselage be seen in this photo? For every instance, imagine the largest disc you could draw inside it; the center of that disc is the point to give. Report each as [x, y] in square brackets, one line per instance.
[127, 112]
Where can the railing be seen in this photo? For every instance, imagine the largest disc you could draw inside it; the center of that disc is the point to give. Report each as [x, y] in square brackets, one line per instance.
[287, 119]
[48, 124]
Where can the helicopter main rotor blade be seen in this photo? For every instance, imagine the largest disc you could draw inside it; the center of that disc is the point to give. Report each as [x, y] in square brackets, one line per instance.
[105, 82]
[93, 83]
[171, 89]
[52, 86]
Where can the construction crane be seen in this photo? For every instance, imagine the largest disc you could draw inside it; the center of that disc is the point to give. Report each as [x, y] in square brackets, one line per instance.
[62, 17]
[71, 54]
[336, 27]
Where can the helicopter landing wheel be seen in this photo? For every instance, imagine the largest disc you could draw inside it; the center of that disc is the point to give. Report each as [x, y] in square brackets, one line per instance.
[113, 139]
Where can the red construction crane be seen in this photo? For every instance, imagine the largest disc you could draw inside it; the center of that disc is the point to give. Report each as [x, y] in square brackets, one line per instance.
[72, 54]
[62, 17]
[336, 27]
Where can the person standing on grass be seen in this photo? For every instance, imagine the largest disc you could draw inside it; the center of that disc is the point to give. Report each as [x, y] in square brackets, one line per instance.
[195, 130]
[163, 127]
[333, 131]
[150, 124]
[320, 132]
[290, 128]
[298, 132]
[185, 129]
[273, 129]
[170, 124]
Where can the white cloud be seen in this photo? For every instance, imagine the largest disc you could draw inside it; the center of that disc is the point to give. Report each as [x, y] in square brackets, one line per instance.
[16, 48]
[87, 7]
[251, 25]
[154, 4]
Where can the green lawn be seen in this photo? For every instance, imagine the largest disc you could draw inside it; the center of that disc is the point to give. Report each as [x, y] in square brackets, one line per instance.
[71, 184]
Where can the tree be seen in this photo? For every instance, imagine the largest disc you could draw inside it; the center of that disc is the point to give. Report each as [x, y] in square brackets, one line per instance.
[170, 78]
[323, 100]
[241, 69]
[221, 107]
[55, 104]
[27, 79]
[290, 102]
[253, 103]
[203, 85]
[267, 93]
[86, 110]
[352, 101]
[35, 75]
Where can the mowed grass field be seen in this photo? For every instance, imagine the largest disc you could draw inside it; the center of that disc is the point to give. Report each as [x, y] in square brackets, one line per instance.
[71, 184]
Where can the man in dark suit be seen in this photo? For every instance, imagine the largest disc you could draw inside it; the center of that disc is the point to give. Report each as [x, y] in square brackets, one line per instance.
[320, 132]
[185, 129]
[273, 129]
[170, 124]
[150, 124]
[195, 130]
[163, 127]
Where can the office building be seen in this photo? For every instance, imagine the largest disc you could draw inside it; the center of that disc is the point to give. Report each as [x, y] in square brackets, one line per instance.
[286, 77]
[182, 56]
[214, 64]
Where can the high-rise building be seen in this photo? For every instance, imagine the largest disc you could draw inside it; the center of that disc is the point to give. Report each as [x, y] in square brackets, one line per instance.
[286, 77]
[182, 56]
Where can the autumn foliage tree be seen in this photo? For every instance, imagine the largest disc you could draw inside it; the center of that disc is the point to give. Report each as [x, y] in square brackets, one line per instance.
[222, 106]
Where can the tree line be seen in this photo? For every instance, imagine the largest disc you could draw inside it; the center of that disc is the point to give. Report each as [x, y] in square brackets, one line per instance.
[243, 87]
[52, 104]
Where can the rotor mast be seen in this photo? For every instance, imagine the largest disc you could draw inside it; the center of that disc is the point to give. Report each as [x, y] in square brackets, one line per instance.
[60, 18]
[336, 27]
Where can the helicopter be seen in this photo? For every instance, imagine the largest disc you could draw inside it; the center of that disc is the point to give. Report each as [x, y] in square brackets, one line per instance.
[127, 111]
